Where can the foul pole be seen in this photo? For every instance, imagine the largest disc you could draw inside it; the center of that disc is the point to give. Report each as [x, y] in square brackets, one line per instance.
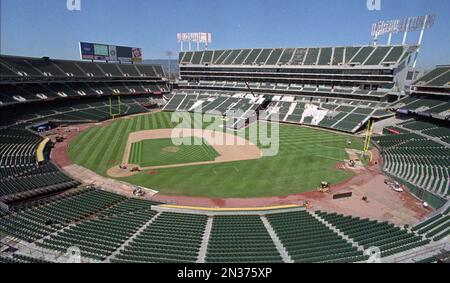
[368, 139]
[113, 115]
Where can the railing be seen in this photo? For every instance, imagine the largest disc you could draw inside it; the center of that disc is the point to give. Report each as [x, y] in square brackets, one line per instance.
[427, 251]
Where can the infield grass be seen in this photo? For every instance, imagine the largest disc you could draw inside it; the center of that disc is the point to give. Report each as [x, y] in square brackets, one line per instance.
[158, 152]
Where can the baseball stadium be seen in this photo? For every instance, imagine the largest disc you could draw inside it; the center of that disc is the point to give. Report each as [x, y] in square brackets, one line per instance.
[333, 153]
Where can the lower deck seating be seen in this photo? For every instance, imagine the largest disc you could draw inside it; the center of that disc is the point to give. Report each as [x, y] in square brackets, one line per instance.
[417, 157]
[20, 175]
[99, 238]
[171, 237]
[18, 258]
[26, 186]
[308, 240]
[425, 167]
[370, 233]
[112, 228]
[34, 223]
[436, 258]
[436, 227]
[130, 205]
[240, 239]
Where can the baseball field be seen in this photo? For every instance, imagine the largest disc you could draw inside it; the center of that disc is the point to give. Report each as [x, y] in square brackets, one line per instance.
[306, 157]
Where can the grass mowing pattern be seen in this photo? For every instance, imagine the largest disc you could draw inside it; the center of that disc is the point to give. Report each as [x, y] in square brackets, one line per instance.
[158, 152]
[307, 156]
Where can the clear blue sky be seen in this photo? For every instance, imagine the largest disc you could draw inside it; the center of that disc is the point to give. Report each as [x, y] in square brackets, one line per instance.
[47, 28]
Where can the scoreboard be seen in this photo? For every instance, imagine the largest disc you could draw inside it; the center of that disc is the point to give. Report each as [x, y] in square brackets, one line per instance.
[104, 52]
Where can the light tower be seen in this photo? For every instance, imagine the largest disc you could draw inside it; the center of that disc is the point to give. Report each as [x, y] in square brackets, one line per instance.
[404, 26]
[196, 37]
[169, 56]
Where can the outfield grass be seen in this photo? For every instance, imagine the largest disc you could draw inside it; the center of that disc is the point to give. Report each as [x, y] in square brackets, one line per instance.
[159, 152]
[306, 157]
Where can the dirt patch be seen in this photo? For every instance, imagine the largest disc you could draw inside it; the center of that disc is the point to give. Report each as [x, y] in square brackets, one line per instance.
[118, 172]
[59, 154]
[229, 147]
[355, 156]
[89, 177]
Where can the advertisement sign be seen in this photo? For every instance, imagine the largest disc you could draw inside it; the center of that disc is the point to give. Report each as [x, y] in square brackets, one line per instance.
[137, 55]
[87, 51]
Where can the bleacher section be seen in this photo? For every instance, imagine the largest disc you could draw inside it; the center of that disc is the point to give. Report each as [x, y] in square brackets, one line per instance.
[419, 155]
[239, 106]
[338, 114]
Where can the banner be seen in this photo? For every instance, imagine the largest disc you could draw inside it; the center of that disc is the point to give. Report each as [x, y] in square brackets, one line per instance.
[87, 51]
[137, 55]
